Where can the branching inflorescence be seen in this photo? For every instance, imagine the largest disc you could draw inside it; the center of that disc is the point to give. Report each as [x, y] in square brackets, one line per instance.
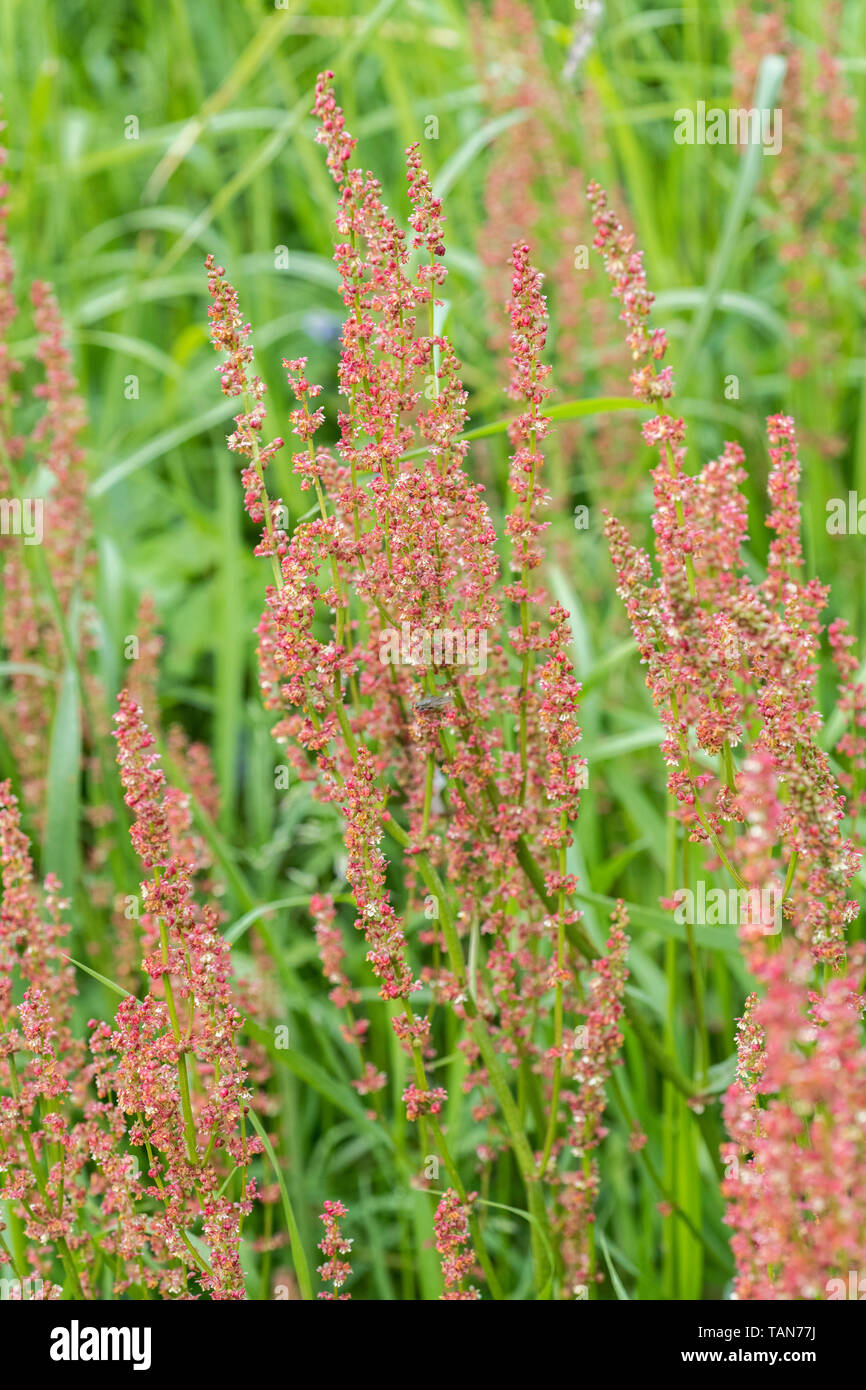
[433, 701]
[732, 666]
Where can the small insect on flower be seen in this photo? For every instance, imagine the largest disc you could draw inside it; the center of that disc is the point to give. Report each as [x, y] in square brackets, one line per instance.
[432, 704]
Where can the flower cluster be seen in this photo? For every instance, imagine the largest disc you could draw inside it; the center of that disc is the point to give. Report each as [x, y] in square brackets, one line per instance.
[624, 266]
[794, 1166]
[813, 208]
[71, 1127]
[29, 628]
[453, 1245]
[420, 749]
[334, 1271]
[732, 665]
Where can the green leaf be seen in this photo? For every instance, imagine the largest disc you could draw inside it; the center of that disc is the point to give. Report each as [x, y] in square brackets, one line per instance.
[162, 444]
[337, 1092]
[134, 347]
[546, 1290]
[103, 979]
[649, 735]
[462, 158]
[729, 302]
[267, 153]
[654, 919]
[619, 1287]
[260, 48]
[565, 410]
[237, 929]
[26, 668]
[753, 163]
[721, 1074]
[298, 1257]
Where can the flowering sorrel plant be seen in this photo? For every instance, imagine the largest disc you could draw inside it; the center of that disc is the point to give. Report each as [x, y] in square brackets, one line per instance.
[472, 774]
[732, 667]
[420, 962]
[125, 1158]
[111, 1163]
